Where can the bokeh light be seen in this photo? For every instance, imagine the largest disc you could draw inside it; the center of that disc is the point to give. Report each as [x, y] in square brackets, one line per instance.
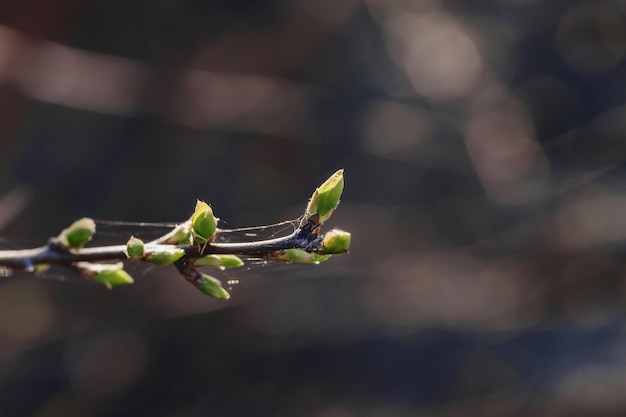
[592, 37]
[436, 53]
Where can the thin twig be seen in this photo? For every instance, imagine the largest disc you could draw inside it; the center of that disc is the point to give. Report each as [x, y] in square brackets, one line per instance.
[189, 245]
[26, 259]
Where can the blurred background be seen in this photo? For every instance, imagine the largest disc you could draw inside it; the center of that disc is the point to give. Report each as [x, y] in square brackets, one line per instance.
[483, 143]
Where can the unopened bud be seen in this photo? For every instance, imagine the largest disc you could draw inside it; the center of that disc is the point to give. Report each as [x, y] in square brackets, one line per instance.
[134, 248]
[218, 261]
[203, 224]
[179, 235]
[110, 275]
[165, 256]
[211, 286]
[300, 256]
[78, 234]
[336, 241]
[326, 197]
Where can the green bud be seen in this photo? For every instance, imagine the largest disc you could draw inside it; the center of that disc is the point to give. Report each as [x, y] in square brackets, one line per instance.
[165, 256]
[326, 197]
[113, 278]
[300, 256]
[110, 275]
[78, 234]
[218, 261]
[134, 248]
[211, 286]
[179, 235]
[203, 224]
[336, 241]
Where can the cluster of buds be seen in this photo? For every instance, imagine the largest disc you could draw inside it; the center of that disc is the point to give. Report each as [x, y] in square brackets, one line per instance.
[192, 244]
[321, 206]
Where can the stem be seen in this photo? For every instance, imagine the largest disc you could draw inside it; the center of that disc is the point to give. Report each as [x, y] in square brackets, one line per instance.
[305, 237]
[185, 245]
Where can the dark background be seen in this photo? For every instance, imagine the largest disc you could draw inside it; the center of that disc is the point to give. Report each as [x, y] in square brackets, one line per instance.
[483, 143]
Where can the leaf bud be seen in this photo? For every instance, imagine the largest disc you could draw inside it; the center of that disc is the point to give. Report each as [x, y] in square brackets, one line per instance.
[165, 256]
[326, 197]
[110, 275]
[336, 241]
[211, 286]
[218, 261]
[134, 248]
[78, 234]
[203, 224]
[179, 235]
[300, 256]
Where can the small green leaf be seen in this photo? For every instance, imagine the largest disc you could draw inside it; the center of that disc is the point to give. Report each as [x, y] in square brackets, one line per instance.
[212, 286]
[218, 261]
[337, 241]
[113, 278]
[203, 224]
[110, 275]
[134, 248]
[300, 256]
[165, 256]
[326, 197]
[180, 235]
[78, 234]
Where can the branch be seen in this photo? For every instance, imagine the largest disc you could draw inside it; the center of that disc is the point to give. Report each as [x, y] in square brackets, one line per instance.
[189, 245]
